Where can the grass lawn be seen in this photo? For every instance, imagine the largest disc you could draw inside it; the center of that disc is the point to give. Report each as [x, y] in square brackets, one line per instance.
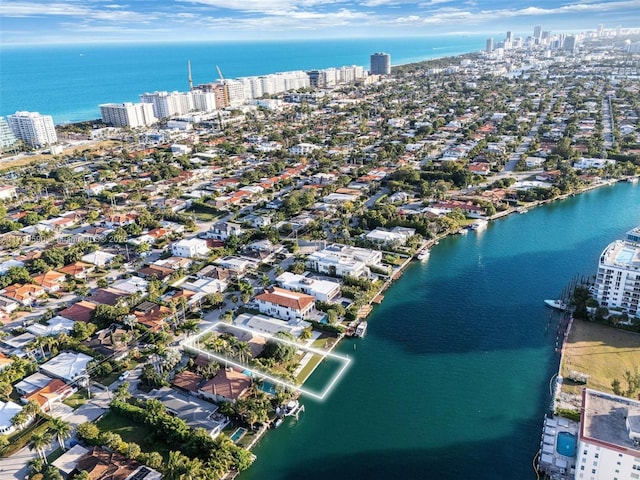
[128, 430]
[308, 368]
[603, 353]
[77, 399]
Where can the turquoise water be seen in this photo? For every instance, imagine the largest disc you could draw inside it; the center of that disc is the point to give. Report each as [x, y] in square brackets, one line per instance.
[452, 380]
[235, 436]
[566, 444]
[70, 81]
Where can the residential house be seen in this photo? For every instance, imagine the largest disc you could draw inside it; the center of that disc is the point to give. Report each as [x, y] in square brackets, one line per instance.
[285, 304]
[396, 236]
[262, 324]
[67, 366]
[53, 328]
[8, 305]
[8, 410]
[31, 384]
[25, 294]
[81, 311]
[155, 271]
[51, 281]
[103, 464]
[54, 392]
[152, 315]
[323, 290]
[227, 386]
[77, 270]
[120, 219]
[223, 230]
[190, 248]
[236, 265]
[205, 285]
[107, 296]
[112, 343]
[174, 263]
[98, 258]
[131, 285]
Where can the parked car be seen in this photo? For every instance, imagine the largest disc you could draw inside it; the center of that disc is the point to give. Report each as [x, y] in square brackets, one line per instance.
[124, 375]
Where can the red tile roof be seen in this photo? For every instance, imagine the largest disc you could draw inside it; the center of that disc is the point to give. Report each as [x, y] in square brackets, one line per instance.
[286, 298]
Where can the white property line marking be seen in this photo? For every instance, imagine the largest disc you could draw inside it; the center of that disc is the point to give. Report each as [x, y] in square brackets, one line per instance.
[345, 361]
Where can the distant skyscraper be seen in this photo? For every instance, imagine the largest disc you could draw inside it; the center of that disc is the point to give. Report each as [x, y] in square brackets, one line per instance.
[380, 63]
[537, 33]
[570, 43]
[489, 48]
[7, 138]
[34, 129]
[600, 30]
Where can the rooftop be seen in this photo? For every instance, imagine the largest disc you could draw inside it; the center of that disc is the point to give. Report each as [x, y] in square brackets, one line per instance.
[622, 254]
[604, 420]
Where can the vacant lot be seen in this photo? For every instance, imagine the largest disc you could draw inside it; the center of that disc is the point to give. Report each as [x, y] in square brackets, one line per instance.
[603, 353]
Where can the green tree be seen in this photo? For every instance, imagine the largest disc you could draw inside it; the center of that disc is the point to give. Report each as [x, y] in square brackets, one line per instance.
[61, 429]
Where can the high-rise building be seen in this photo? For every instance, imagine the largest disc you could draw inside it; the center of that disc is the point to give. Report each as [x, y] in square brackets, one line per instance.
[600, 30]
[128, 114]
[7, 137]
[609, 442]
[570, 43]
[617, 282]
[537, 33]
[489, 48]
[380, 63]
[33, 129]
[167, 104]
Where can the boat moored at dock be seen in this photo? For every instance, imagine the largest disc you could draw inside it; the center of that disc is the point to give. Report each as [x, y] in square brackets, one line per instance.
[557, 304]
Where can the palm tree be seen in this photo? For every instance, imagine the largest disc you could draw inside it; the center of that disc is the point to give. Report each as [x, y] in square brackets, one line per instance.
[244, 351]
[39, 442]
[61, 429]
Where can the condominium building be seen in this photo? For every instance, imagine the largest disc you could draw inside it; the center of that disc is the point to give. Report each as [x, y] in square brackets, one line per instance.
[609, 439]
[7, 137]
[128, 114]
[617, 283]
[33, 129]
[168, 104]
[380, 63]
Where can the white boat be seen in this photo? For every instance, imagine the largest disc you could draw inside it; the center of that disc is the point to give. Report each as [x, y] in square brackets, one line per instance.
[479, 225]
[463, 231]
[557, 304]
[361, 329]
[522, 210]
[632, 180]
[423, 255]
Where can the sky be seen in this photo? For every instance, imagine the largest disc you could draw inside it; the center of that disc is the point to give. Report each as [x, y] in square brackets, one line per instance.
[96, 21]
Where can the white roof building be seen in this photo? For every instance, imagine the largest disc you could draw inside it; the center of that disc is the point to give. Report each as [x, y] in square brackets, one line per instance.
[609, 440]
[67, 366]
[397, 236]
[54, 326]
[98, 258]
[8, 410]
[128, 114]
[323, 290]
[270, 325]
[190, 248]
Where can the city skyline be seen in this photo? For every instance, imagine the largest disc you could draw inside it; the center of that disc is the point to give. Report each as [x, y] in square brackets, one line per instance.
[97, 21]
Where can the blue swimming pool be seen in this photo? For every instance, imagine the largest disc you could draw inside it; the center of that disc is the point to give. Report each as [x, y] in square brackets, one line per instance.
[235, 436]
[566, 444]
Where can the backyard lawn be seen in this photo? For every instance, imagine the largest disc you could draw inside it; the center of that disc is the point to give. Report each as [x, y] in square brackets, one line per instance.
[603, 353]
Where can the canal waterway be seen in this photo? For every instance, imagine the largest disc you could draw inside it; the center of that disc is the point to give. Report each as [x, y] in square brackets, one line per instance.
[452, 379]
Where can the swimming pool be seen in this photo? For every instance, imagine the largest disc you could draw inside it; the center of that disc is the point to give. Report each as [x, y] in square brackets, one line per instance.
[566, 444]
[235, 436]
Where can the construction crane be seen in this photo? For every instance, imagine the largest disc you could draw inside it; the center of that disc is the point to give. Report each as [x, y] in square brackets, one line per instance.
[220, 74]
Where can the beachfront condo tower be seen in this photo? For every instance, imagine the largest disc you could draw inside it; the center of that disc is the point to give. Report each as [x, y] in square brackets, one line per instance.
[380, 63]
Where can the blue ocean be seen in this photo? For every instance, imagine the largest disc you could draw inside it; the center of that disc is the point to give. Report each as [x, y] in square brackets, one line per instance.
[70, 81]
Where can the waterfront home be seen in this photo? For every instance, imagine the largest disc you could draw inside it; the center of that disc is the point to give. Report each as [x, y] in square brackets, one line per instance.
[333, 264]
[396, 236]
[262, 324]
[227, 386]
[323, 290]
[67, 366]
[107, 464]
[285, 304]
[190, 248]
